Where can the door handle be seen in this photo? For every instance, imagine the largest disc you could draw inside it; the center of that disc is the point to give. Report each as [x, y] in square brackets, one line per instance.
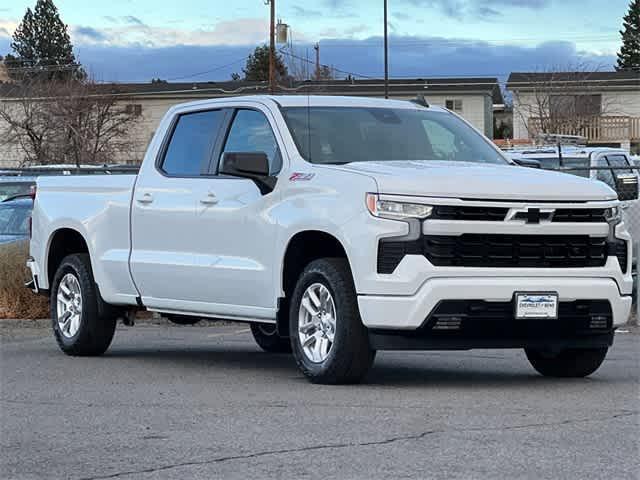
[210, 199]
[146, 198]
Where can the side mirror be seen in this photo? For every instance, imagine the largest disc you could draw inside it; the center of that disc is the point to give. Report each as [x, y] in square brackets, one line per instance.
[627, 186]
[252, 165]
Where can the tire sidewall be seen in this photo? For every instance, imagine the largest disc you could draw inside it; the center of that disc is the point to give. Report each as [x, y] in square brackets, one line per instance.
[310, 277]
[69, 265]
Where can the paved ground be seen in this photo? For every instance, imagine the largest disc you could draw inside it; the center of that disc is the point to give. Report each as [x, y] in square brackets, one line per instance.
[204, 402]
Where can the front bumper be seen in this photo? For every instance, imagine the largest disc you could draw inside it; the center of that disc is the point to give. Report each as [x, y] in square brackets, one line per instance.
[395, 312]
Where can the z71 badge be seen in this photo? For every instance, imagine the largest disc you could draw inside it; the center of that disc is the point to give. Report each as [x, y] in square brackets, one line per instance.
[301, 177]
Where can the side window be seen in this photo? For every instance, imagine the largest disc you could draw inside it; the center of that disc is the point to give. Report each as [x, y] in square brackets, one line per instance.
[251, 132]
[442, 140]
[618, 161]
[191, 143]
[604, 175]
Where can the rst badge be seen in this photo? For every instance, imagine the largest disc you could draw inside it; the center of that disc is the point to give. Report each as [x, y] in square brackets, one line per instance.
[301, 177]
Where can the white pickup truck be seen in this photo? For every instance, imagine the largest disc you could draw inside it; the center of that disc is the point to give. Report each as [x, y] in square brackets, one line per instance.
[337, 227]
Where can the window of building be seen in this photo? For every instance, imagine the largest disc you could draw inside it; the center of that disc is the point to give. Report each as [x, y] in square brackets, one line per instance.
[134, 109]
[191, 143]
[454, 105]
[575, 105]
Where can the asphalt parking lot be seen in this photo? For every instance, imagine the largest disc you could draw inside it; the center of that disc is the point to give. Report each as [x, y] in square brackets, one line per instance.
[204, 402]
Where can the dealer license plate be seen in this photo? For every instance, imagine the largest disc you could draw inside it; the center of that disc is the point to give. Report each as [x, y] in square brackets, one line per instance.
[536, 305]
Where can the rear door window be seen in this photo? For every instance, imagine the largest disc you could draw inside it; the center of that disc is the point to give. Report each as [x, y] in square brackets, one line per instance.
[191, 145]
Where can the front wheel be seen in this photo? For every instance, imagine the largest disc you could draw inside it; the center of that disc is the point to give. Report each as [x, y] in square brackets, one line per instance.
[329, 341]
[567, 363]
[78, 327]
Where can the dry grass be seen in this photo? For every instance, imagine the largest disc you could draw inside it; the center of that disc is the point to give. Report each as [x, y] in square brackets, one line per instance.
[16, 301]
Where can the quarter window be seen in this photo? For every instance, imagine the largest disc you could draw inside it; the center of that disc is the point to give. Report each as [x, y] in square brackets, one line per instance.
[251, 133]
[191, 143]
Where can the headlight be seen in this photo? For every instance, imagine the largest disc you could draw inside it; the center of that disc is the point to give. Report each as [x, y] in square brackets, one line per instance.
[396, 210]
[613, 215]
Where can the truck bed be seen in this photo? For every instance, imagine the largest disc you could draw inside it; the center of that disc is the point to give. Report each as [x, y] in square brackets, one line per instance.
[97, 206]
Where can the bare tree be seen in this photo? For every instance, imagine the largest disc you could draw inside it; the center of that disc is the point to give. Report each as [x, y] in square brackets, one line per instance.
[67, 121]
[560, 100]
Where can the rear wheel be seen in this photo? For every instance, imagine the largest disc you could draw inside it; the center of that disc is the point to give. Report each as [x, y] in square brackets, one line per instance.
[329, 341]
[266, 336]
[78, 327]
[567, 363]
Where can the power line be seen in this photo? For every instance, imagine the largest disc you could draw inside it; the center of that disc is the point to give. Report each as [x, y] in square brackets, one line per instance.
[214, 69]
[306, 60]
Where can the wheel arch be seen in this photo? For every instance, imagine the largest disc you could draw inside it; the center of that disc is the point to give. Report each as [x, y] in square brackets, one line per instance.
[64, 241]
[302, 248]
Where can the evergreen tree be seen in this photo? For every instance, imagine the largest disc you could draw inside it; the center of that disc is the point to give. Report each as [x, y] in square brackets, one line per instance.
[42, 46]
[629, 54]
[257, 67]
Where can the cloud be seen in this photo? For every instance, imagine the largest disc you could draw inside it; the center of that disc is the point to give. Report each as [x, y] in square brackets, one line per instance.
[416, 57]
[305, 12]
[89, 34]
[131, 31]
[133, 20]
[401, 16]
[483, 9]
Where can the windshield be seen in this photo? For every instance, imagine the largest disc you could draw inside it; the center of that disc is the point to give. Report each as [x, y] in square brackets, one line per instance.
[330, 135]
[14, 219]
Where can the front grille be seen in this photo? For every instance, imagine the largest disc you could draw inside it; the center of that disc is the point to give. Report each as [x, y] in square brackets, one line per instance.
[491, 250]
[528, 251]
[487, 214]
[580, 215]
[481, 319]
[498, 214]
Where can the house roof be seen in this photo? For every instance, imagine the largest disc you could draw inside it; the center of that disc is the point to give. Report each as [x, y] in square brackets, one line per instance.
[369, 87]
[528, 80]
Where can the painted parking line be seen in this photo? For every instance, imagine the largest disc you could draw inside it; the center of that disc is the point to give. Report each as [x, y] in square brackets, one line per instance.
[237, 332]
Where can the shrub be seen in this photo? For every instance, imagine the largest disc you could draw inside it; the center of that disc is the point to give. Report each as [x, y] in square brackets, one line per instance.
[16, 301]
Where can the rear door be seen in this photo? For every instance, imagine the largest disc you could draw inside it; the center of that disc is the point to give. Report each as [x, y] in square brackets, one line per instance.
[165, 226]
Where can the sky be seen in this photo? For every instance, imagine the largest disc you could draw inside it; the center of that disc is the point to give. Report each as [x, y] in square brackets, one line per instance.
[207, 40]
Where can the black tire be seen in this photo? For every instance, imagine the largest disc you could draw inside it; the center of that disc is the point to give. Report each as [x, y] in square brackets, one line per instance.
[183, 319]
[350, 356]
[95, 332]
[266, 336]
[576, 363]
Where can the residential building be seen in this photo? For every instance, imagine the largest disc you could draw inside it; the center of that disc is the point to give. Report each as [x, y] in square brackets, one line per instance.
[604, 107]
[472, 98]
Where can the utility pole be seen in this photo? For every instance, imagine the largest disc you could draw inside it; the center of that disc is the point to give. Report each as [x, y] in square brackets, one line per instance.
[386, 53]
[272, 47]
[316, 47]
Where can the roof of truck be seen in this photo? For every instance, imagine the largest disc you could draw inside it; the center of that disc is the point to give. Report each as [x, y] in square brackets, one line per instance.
[316, 101]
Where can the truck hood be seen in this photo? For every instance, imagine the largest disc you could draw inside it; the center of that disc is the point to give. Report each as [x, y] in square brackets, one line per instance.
[480, 181]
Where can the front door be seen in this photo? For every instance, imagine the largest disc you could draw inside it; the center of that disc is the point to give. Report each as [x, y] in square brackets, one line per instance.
[165, 227]
[235, 261]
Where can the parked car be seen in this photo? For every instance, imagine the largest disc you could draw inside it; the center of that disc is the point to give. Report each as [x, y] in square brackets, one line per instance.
[14, 219]
[595, 163]
[11, 186]
[337, 227]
